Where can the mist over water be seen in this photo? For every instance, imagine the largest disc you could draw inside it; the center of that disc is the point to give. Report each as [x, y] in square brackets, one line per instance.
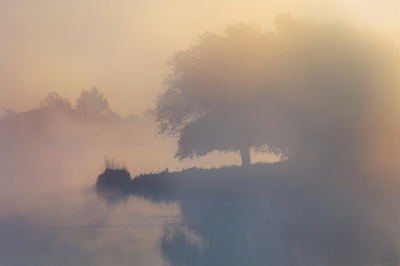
[320, 100]
[49, 213]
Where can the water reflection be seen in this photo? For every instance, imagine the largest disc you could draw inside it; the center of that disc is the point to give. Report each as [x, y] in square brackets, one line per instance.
[182, 246]
[76, 227]
[283, 222]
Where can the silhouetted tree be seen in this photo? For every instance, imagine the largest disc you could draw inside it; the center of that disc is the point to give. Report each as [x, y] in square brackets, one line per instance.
[209, 101]
[55, 101]
[303, 89]
[92, 103]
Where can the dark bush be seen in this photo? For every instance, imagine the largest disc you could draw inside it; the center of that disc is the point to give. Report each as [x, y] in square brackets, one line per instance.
[113, 177]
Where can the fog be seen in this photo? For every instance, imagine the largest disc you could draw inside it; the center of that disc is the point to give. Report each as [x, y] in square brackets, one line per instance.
[121, 47]
[168, 86]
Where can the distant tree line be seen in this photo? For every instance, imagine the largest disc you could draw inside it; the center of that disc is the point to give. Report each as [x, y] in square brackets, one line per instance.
[90, 106]
[90, 116]
[325, 93]
[59, 133]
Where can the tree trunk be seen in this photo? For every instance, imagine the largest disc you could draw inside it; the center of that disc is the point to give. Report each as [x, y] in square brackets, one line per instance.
[245, 154]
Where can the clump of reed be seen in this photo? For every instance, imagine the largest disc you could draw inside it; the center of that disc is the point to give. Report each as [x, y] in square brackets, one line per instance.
[114, 177]
[112, 164]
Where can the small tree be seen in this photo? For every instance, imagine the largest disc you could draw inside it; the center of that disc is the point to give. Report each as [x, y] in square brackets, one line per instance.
[55, 101]
[92, 103]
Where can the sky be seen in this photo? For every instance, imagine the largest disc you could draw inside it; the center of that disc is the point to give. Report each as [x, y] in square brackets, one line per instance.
[121, 46]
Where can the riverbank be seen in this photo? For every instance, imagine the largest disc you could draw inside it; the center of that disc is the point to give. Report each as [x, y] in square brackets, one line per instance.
[255, 179]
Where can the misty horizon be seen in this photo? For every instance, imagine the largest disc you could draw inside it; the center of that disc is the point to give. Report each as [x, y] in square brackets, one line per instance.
[188, 133]
[69, 47]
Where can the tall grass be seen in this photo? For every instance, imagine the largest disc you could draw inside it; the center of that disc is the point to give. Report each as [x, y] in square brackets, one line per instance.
[112, 164]
[114, 177]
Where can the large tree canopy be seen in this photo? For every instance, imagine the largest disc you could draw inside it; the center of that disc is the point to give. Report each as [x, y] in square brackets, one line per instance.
[301, 89]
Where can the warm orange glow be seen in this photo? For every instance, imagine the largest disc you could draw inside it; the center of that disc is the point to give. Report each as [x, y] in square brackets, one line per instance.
[121, 47]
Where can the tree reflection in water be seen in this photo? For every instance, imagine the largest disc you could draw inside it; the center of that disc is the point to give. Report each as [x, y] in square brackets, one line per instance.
[294, 218]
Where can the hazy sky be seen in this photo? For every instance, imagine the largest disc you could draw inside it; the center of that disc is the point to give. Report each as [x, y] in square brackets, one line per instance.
[121, 46]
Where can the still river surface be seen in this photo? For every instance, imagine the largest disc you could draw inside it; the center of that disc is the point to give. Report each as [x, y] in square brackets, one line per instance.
[52, 216]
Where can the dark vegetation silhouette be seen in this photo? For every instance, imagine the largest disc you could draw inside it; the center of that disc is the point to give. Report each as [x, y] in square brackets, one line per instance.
[55, 102]
[92, 104]
[114, 176]
[113, 183]
[57, 134]
[319, 92]
[322, 96]
[278, 214]
[90, 108]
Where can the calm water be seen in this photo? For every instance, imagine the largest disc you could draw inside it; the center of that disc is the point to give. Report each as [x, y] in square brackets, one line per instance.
[49, 218]
[78, 227]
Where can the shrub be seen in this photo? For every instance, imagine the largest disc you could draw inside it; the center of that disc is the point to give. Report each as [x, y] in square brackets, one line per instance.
[114, 177]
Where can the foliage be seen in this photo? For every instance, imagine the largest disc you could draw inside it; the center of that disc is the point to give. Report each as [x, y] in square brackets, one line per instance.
[208, 101]
[92, 103]
[113, 177]
[56, 122]
[55, 101]
[304, 89]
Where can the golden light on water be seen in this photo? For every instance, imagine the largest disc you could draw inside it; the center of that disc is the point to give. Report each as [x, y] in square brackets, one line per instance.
[323, 96]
